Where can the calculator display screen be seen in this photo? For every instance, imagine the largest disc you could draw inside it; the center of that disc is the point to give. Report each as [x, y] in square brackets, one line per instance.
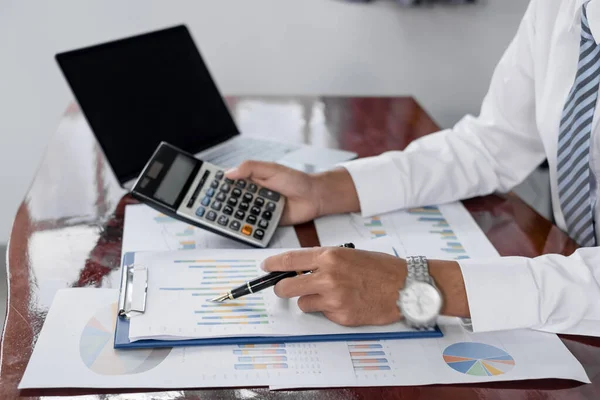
[175, 179]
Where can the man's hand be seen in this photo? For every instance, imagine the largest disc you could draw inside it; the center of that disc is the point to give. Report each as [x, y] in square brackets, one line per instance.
[308, 196]
[351, 287]
[355, 287]
[299, 188]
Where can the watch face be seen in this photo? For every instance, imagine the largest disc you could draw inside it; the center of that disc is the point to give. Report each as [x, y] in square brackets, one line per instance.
[420, 302]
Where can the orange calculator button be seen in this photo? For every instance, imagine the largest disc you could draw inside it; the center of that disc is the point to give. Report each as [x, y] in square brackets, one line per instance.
[247, 230]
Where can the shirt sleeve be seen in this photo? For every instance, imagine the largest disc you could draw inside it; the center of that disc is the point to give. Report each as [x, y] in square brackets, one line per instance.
[494, 151]
[480, 155]
[551, 293]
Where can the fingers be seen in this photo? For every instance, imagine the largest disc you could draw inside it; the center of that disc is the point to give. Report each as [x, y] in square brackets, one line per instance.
[298, 286]
[255, 170]
[311, 303]
[298, 260]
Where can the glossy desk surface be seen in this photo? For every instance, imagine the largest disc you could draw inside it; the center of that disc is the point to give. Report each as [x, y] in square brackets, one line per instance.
[68, 230]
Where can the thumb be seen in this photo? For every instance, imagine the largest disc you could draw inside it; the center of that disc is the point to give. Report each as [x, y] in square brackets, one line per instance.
[254, 169]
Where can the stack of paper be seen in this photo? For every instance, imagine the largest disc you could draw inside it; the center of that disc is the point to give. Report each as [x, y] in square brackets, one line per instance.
[148, 230]
[447, 232]
[181, 284]
[75, 347]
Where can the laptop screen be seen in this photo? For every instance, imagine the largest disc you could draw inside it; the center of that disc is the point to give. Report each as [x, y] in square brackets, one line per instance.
[139, 91]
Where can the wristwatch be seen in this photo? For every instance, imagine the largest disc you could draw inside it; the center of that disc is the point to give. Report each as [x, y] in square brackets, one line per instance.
[420, 301]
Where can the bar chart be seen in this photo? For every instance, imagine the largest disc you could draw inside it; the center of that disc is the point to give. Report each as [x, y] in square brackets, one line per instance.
[291, 362]
[423, 230]
[368, 356]
[188, 231]
[163, 219]
[438, 226]
[187, 245]
[214, 277]
[445, 232]
[261, 356]
[375, 228]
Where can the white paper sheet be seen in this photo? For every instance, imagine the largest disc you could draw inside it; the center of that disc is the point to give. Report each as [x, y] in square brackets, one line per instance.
[75, 346]
[145, 229]
[181, 284]
[447, 232]
[75, 349]
[459, 357]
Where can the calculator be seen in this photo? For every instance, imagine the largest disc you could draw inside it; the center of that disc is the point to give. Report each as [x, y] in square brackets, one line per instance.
[196, 192]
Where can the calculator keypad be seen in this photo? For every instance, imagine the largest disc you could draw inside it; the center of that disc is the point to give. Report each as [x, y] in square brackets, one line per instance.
[247, 230]
[269, 194]
[239, 206]
[255, 210]
[211, 215]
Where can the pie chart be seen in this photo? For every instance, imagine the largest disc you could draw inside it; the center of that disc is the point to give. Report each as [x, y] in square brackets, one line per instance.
[478, 359]
[97, 352]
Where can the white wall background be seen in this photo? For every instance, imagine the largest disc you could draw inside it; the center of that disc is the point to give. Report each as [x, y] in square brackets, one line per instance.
[444, 56]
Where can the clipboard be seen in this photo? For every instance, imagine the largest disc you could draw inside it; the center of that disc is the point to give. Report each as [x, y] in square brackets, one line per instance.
[132, 300]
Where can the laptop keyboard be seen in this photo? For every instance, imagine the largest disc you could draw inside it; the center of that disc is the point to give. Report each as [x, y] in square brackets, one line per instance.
[242, 149]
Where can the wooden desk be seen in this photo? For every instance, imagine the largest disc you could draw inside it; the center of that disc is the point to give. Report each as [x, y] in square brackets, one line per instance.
[68, 230]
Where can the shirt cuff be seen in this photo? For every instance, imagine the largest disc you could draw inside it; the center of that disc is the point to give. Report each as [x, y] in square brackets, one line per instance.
[502, 294]
[375, 180]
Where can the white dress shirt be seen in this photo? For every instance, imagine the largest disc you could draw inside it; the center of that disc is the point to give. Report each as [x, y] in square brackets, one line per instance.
[516, 130]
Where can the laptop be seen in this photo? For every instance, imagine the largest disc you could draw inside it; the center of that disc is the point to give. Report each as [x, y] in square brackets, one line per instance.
[138, 91]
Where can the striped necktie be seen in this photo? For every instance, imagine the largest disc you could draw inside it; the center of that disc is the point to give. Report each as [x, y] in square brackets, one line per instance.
[574, 175]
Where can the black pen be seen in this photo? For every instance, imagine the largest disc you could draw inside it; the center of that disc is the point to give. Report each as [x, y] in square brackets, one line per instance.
[261, 283]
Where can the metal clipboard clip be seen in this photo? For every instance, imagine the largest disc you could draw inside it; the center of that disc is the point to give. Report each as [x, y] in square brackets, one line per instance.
[134, 290]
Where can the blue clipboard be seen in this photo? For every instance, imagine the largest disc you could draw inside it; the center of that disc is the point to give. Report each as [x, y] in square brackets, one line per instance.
[122, 328]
